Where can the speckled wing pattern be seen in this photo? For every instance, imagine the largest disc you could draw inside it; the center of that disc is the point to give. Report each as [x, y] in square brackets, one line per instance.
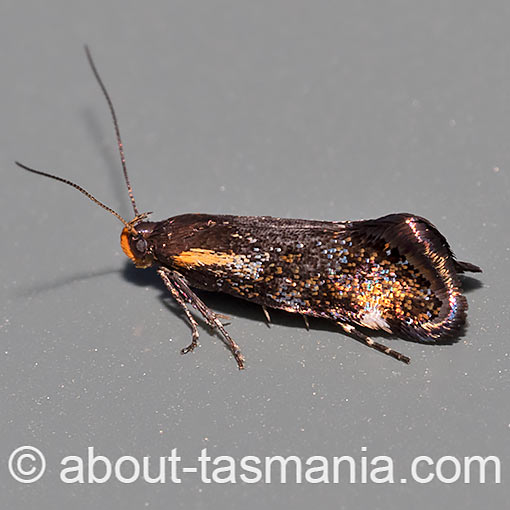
[396, 273]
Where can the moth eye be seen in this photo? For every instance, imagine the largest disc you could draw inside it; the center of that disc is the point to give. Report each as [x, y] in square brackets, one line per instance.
[141, 245]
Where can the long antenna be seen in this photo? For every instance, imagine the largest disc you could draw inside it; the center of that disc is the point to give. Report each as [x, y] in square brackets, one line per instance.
[117, 132]
[128, 225]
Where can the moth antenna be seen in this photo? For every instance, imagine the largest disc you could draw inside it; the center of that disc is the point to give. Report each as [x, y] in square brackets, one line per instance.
[116, 126]
[128, 225]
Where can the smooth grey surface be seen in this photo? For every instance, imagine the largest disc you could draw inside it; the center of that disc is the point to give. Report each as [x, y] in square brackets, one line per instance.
[325, 110]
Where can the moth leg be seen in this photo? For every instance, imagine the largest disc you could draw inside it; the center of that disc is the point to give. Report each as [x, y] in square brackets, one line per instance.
[307, 324]
[268, 317]
[177, 296]
[361, 337]
[179, 282]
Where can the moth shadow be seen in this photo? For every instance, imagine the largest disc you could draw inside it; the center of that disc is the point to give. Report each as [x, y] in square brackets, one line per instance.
[99, 136]
[469, 283]
[63, 282]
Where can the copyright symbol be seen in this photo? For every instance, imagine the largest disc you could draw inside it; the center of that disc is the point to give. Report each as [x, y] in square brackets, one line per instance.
[27, 464]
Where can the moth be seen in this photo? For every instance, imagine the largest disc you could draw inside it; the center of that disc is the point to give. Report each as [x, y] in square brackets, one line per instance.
[395, 274]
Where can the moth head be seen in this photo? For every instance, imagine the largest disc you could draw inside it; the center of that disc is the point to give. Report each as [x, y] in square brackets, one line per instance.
[136, 243]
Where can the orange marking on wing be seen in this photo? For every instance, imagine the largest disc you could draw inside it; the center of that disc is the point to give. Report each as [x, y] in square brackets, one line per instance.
[200, 257]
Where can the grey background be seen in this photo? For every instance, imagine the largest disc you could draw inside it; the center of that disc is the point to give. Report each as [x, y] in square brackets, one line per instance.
[326, 110]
